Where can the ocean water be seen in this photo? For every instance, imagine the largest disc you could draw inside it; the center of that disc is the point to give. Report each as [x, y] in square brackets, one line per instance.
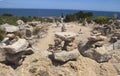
[51, 12]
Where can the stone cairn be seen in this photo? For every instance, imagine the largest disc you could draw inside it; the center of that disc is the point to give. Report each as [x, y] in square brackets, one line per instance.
[95, 48]
[64, 48]
[14, 49]
[64, 41]
[97, 39]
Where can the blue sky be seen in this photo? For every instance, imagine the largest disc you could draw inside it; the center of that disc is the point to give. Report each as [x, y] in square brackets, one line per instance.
[99, 5]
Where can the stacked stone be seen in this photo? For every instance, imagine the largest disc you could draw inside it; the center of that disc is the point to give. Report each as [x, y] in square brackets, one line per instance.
[14, 49]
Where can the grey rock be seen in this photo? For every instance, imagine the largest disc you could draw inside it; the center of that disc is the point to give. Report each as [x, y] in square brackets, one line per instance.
[18, 46]
[65, 55]
[100, 54]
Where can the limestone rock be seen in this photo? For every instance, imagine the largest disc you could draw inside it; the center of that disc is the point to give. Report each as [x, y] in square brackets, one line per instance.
[99, 54]
[18, 46]
[9, 28]
[65, 35]
[65, 55]
[40, 65]
[6, 71]
[115, 60]
[107, 69]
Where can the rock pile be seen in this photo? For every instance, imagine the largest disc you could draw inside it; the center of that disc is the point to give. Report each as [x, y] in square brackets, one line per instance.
[13, 49]
[15, 52]
[95, 48]
[64, 48]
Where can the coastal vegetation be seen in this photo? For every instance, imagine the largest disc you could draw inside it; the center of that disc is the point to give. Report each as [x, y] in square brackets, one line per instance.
[101, 19]
[12, 19]
[81, 16]
[77, 17]
[2, 35]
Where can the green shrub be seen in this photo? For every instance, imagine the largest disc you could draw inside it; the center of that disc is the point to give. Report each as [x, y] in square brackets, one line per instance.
[89, 19]
[2, 35]
[7, 14]
[70, 17]
[88, 14]
[101, 19]
[79, 16]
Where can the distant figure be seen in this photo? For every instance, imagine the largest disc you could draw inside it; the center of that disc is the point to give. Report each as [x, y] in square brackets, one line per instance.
[62, 18]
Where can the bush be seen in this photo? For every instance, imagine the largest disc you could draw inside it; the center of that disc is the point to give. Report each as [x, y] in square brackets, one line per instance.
[6, 14]
[88, 14]
[2, 35]
[11, 19]
[89, 19]
[79, 16]
[8, 19]
[101, 19]
[70, 17]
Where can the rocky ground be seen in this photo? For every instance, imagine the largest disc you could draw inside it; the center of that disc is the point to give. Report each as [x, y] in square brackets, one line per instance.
[42, 64]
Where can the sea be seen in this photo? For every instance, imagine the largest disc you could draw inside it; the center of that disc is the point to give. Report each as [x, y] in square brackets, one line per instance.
[52, 12]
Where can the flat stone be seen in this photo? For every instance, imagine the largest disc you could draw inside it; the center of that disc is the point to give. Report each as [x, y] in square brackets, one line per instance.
[65, 35]
[16, 47]
[66, 55]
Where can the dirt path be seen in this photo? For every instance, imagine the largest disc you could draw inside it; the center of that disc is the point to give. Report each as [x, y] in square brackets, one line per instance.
[42, 44]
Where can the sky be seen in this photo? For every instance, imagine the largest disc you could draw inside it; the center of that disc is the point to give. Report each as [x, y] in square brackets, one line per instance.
[98, 5]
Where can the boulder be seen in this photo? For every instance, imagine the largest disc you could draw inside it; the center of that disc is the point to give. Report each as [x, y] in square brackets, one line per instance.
[9, 28]
[16, 47]
[100, 54]
[66, 56]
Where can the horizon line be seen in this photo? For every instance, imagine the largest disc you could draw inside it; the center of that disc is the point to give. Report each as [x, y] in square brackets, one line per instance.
[63, 9]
